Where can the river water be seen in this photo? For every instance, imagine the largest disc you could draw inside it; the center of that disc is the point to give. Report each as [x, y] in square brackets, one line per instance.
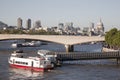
[76, 70]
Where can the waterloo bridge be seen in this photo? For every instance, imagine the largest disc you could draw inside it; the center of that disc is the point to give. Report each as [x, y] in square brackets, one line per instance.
[68, 41]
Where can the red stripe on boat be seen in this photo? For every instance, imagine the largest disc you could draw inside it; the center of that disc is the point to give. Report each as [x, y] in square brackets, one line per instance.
[29, 68]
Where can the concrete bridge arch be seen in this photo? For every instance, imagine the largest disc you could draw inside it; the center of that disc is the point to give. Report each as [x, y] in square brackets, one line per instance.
[68, 41]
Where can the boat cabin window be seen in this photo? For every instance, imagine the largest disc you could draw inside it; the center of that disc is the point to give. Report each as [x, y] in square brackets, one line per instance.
[20, 62]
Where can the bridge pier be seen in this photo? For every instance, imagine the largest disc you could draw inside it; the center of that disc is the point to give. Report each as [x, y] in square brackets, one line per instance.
[69, 48]
[118, 60]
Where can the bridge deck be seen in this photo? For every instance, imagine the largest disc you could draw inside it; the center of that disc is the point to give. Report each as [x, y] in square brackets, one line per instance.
[87, 56]
[61, 39]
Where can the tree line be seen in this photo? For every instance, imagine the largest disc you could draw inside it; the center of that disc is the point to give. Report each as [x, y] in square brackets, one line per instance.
[112, 38]
[32, 32]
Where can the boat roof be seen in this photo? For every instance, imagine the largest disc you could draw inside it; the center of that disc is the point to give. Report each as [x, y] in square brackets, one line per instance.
[18, 51]
[44, 51]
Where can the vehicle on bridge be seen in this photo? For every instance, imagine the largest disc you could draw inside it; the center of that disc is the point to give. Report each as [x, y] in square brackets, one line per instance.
[42, 62]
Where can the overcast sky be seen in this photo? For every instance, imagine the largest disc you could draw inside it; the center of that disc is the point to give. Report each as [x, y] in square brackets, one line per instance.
[52, 12]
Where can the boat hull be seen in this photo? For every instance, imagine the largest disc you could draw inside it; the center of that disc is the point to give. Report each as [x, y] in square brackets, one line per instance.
[29, 68]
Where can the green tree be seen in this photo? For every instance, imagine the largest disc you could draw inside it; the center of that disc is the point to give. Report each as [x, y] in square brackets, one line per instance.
[116, 41]
[32, 32]
[112, 38]
[109, 37]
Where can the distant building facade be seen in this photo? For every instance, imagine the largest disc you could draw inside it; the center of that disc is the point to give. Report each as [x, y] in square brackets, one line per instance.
[91, 26]
[61, 25]
[19, 23]
[37, 24]
[69, 24]
[3, 25]
[28, 24]
[100, 28]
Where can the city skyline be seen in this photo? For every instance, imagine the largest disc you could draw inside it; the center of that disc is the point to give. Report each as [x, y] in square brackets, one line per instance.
[53, 12]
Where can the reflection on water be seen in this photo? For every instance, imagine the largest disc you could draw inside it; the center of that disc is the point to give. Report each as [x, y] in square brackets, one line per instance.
[24, 74]
[15, 74]
[89, 47]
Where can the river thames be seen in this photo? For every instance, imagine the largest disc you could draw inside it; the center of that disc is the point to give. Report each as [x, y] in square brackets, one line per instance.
[76, 70]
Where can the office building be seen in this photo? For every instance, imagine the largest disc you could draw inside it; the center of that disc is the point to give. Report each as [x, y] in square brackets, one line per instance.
[19, 23]
[28, 24]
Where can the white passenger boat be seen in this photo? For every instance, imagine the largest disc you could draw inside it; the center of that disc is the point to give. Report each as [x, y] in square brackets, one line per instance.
[27, 44]
[18, 59]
